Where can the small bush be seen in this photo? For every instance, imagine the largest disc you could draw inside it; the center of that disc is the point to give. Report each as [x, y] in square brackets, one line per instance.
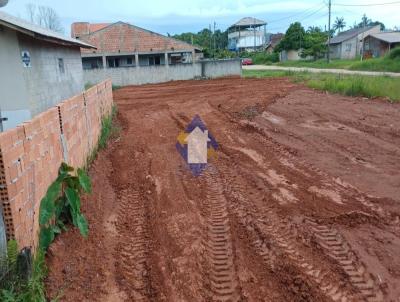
[395, 53]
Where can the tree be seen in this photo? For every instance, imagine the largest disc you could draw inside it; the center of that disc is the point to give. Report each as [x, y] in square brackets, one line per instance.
[205, 39]
[44, 16]
[314, 43]
[339, 24]
[293, 39]
[365, 21]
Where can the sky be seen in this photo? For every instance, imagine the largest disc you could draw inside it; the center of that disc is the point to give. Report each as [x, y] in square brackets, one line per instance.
[177, 16]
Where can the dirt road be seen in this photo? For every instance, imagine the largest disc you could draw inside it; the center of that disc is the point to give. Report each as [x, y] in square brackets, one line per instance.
[300, 204]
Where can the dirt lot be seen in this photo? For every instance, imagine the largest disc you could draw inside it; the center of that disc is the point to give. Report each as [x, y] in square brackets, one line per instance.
[300, 204]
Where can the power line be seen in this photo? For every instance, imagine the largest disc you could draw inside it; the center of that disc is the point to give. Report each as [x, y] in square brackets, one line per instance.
[372, 4]
[294, 15]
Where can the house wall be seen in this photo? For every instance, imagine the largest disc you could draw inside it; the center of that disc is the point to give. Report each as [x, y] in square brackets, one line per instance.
[46, 84]
[27, 91]
[352, 48]
[14, 95]
[123, 76]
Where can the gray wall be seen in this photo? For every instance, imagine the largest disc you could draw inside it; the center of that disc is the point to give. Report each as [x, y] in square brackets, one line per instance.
[27, 91]
[45, 83]
[123, 76]
[13, 96]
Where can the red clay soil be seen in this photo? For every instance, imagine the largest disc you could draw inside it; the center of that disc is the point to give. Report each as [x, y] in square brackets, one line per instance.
[300, 204]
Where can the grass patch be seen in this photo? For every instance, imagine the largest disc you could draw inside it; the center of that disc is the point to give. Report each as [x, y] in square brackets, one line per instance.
[22, 282]
[388, 63]
[350, 85]
[115, 87]
[108, 128]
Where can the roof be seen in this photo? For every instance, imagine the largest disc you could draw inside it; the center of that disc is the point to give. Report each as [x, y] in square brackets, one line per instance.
[121, 37]
[248, 21]
[348, 34]
[39, 32]
[97, 26]
[389, 37]
[274, 40]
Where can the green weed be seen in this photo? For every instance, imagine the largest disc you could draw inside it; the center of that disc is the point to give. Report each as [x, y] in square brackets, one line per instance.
[351, 85]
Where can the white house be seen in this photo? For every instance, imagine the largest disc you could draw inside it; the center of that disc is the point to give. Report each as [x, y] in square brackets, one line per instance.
[248, 34]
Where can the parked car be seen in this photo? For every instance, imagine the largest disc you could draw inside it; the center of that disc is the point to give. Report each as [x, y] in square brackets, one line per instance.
[247, 61]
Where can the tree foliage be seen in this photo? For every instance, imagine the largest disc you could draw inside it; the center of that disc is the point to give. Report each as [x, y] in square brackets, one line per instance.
[314, 43]
[293, 39]
[339, 24]
[365, 21]
[205, 39]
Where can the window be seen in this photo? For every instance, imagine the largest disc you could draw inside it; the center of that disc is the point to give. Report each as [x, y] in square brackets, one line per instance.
[348, 47]
[61, 65]
[114, 62]
[129, 61]
[156, 60]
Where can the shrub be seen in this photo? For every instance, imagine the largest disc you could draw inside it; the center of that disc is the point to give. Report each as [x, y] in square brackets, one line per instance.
[395, 53]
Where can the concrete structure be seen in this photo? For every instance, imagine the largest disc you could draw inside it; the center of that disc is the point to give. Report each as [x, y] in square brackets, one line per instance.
[123, 76]
[292, 55]
[248, 34]
[39, 68]
[348, 44]
[122, 44]
[379, 44]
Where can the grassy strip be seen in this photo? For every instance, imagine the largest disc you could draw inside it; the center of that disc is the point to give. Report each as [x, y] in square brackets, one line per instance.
[351, 85]
[25, 283]
[384, 64]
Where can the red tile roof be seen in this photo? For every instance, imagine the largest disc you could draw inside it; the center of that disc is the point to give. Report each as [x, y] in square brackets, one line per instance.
[123, 37]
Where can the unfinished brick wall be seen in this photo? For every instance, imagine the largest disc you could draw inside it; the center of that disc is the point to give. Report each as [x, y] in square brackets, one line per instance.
[31, 154]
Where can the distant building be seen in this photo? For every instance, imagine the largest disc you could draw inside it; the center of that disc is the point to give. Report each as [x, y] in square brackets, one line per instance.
[348, 44]
[122, 44]
[379, 44]
[39, 68]
[274, 40]
[248, 34]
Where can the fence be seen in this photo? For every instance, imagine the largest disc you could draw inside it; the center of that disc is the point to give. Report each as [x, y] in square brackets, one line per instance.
[123, 76]
[31, 154]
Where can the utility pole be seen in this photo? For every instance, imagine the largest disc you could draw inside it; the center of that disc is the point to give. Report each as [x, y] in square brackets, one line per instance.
[214, 39]
[254, 30]
[209, 27]
[329, 33]
[362, 45]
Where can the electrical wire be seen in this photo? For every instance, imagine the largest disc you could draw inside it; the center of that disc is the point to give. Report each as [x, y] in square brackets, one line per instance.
[372, 4]
[294, 15]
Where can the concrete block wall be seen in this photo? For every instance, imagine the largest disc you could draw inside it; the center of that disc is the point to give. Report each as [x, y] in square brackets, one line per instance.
[31, 154]
[124, 76]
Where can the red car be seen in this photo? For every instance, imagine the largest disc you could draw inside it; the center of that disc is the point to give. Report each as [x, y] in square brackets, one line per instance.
[247, 61]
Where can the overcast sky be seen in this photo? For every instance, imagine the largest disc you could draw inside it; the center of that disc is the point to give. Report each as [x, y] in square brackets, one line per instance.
[176, 16]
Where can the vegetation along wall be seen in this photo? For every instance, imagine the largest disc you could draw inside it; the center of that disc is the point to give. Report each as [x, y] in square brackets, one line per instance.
[31, 154]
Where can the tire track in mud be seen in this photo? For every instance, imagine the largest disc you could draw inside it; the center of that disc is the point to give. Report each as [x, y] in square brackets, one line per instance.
[339, 249]
[334, 183]
[218, 244]
[272, 238]
[133, 248]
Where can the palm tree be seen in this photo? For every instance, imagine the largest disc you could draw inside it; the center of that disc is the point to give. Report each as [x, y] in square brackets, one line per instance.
[339, 24]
